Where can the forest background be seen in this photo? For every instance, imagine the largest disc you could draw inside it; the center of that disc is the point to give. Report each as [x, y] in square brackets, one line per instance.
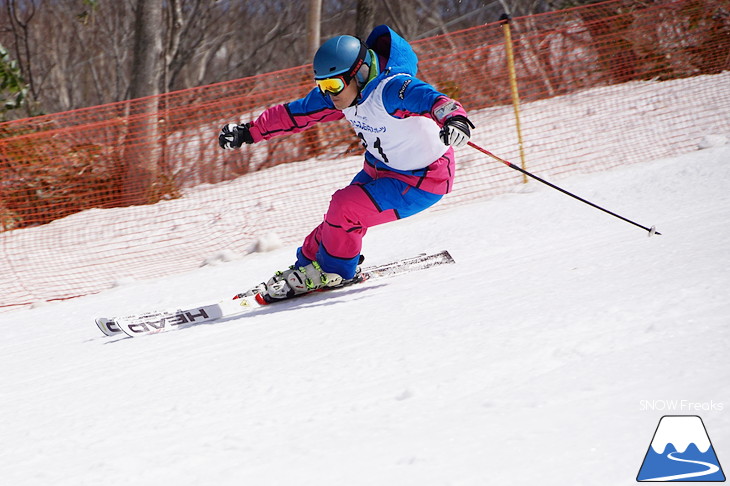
[60, 55]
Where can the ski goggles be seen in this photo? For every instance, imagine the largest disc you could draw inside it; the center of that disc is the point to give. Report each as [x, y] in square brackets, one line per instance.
[331, 85]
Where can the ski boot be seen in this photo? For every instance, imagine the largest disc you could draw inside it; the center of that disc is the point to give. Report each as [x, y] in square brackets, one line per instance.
[297, 281]
[300, 280]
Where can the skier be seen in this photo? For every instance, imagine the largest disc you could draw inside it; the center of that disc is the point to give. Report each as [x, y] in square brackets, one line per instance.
[408, 129]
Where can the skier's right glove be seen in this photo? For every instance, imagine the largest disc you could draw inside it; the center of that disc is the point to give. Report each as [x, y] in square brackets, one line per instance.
[233, 136]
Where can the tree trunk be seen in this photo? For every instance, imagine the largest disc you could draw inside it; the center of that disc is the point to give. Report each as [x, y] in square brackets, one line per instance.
[365, 18]
[141, 150]
[314, 16]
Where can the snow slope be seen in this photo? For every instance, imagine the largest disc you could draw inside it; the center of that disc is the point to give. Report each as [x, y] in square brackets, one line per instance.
[525, 363]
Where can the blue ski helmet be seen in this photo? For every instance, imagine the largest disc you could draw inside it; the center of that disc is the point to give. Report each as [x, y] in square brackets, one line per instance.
[343, 55]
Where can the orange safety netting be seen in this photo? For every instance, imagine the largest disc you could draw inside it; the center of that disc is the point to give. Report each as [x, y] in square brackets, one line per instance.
[139, 189]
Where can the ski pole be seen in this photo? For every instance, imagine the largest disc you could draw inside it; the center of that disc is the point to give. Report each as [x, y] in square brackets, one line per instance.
[652, 231]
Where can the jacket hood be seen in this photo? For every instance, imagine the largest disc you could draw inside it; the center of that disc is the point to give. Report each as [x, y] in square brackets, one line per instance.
[389, 46]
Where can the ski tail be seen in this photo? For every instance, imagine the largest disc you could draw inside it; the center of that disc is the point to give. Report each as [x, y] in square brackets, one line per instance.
[420, 262]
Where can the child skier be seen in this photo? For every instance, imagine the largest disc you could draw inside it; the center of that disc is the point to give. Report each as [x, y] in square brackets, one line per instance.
[408, 129]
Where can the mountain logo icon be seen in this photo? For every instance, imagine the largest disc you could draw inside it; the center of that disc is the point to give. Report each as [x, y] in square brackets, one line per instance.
[681, 451]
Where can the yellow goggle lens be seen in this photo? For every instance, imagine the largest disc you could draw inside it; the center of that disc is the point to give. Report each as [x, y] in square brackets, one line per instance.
[331, 85]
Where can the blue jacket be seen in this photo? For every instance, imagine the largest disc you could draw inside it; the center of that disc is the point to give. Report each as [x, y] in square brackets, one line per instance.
[403, 96]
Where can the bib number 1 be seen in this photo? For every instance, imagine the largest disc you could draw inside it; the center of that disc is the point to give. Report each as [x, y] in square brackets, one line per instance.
[377, 145]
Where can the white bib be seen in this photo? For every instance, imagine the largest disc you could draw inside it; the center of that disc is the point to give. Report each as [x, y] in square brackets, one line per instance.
[401, 143]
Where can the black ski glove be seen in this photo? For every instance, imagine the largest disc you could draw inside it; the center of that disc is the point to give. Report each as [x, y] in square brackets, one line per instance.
[455, 131]
[233, 136]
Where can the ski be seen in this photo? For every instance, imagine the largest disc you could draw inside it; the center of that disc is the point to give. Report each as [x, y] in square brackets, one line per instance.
[161, 321]
[107, 326]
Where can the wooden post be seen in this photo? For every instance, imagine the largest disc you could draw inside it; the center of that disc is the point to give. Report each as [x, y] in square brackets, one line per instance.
[513, 86]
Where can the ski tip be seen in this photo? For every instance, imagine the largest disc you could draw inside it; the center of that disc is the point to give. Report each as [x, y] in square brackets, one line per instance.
[108, 326]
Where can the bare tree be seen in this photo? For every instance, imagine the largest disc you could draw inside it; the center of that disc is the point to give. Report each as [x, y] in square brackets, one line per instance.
[89, 61]
[20, 17]
[365, 19]
[147, 50]
[142, 160]
[314, 14]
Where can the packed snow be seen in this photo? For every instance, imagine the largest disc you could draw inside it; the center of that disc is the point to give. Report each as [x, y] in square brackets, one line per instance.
[545, 356]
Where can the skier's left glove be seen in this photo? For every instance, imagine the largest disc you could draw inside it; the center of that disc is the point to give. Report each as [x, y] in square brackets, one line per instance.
[455, 131]
[233, 136]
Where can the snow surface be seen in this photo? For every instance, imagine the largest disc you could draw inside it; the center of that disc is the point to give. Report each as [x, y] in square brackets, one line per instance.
[530, 361]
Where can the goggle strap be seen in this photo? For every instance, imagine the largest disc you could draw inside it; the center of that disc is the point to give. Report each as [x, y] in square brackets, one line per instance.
[357, 64]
